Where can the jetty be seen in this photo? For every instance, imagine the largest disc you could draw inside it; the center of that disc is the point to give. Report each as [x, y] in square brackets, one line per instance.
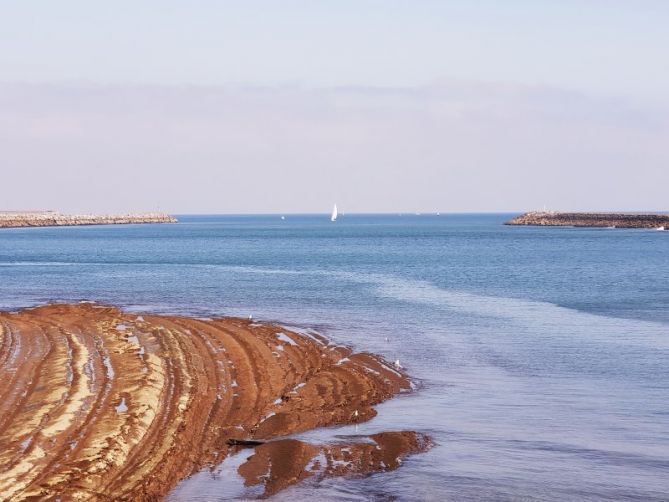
[14, 219]
[608, 220]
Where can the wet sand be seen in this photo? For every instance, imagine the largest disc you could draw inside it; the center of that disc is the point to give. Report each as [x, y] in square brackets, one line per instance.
[98, 404]
[381, 452]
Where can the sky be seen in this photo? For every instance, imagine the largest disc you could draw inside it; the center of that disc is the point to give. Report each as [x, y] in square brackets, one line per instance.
[215, 106]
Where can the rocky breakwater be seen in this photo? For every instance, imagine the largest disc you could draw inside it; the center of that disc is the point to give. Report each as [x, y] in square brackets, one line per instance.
[617, 220]
[55, 219]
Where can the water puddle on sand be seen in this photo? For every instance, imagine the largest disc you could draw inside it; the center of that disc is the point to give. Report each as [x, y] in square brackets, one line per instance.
[108, 365]
[26, 443]
[285, 338]
[122, 407]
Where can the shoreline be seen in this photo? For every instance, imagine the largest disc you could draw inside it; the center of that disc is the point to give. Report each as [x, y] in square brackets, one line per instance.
[95, 400]
[55, 219]
[605, 220]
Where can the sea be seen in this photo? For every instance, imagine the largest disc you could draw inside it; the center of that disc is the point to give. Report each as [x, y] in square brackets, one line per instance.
[541, 355]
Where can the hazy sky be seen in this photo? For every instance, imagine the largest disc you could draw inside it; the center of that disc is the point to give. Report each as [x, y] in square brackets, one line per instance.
[287, 106]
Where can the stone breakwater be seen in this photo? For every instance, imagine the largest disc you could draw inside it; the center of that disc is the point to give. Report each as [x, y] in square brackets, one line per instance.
[98, 404]
[618, 220]
[54, 219]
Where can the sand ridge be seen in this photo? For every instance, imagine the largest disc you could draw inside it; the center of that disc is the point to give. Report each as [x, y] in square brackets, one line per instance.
[98, 404]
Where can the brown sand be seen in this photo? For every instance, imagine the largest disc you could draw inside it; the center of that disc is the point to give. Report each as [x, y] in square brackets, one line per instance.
[97, 404]
[383, 452]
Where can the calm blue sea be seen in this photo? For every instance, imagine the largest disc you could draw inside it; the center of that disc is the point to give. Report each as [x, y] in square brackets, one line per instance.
[543, 352]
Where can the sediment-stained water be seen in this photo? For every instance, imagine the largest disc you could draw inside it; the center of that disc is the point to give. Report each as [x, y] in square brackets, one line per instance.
[541, 355]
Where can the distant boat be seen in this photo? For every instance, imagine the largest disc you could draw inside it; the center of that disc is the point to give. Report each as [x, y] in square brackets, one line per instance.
[334, 213]
[659, 228]
[283, 217]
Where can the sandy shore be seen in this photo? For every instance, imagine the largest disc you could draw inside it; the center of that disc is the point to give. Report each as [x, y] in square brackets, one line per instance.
[97, 404]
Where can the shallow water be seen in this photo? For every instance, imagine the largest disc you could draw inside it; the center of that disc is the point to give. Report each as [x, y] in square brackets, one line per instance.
[543, 353]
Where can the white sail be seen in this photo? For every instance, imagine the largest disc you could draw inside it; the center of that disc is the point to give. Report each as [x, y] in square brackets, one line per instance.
[334, 213]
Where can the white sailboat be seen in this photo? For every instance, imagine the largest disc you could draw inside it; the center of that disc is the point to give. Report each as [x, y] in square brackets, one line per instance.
[333, 217]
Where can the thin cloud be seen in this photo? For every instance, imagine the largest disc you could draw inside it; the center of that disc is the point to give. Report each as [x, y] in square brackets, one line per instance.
[450, 146]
